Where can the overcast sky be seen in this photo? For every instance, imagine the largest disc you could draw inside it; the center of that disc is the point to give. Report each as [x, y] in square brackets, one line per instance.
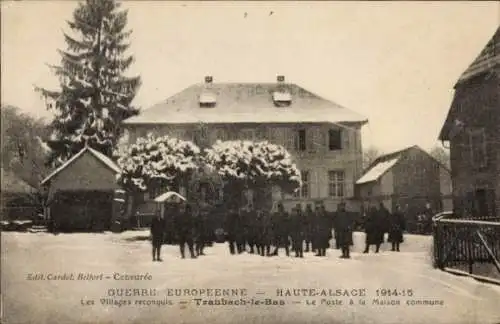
[395, 63]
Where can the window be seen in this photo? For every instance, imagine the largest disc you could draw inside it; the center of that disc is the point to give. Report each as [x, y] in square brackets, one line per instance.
[334, 139]
[478, 148]
[247, 134]
[336, 183]
[300, 140]
[304, 191]
[277, 135]
[220, 135]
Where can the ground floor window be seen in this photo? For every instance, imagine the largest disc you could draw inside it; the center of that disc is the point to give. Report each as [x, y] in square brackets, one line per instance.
[336, 183]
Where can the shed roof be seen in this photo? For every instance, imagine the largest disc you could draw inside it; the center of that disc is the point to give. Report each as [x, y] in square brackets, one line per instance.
[11, 183]
[101, 157]
[245, 103]
[376, 171]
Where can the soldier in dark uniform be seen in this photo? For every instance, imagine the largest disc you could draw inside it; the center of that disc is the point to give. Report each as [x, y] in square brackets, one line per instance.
[334, 220]
[157, 228]
[281, 224]
[297, 231]
[267, 233]
[343, 230]
[309, 227]
[231, 227]
[397, 225]
[202, 232]
[258, 229]
[374, 228]
[323, 230]
[240, 231]
[250, 220]
[185, 229]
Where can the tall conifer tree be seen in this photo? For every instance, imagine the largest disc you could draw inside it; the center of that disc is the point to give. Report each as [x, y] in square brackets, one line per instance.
[95, 94]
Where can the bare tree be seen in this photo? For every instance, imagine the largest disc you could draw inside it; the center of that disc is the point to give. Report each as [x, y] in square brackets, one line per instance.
[23, 150]
[370, 155]
[441, 155]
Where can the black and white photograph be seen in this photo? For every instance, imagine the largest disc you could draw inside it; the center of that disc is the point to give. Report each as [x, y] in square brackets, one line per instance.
[267, 162]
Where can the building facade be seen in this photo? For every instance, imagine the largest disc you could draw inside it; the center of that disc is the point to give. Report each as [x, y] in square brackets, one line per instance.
[411, 178]
[472, 132]
[324, 138]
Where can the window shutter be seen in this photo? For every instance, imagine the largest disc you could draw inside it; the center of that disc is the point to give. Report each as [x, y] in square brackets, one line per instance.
[344, 138]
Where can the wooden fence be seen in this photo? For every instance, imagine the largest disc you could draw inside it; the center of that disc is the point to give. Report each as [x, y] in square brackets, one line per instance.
[467, 246]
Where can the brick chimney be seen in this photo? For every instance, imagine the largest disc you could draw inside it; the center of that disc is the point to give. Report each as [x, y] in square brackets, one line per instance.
[280, 78]
[208, 79]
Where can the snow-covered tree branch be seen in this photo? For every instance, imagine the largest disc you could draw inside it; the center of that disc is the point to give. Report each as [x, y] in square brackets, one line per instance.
[156, 162]
[253, 165]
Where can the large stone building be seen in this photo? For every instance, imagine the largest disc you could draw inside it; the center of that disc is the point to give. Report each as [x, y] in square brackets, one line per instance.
[323, 137]
[472, 131]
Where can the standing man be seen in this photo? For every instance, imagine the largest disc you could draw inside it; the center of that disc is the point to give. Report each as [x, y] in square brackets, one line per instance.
[297, 231]
[397, 226]
[343, 230]
[157, 227]
[323, 230]
[251, 229]
[231, 227]
[185, 229]
[374, 229]
[281, 230]
[202, 232]
[267, 233]
[309, 227]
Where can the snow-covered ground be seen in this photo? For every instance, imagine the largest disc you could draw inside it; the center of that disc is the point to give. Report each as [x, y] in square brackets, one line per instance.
[60, 301]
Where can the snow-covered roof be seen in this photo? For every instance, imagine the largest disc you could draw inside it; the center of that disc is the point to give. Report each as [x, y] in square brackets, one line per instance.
[101, 157]
[168, 196]
[375, 172]
[246, 103]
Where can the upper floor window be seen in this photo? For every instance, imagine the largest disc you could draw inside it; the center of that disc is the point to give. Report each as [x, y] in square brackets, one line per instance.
[477, 141]
[334, 139]
[300, 140]
[336, 183]
[304, 191]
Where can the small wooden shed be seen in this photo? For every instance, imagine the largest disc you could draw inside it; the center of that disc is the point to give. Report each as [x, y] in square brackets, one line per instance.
[81, 192]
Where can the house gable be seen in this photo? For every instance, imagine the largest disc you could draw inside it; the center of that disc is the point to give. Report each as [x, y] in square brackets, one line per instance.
[85, 171]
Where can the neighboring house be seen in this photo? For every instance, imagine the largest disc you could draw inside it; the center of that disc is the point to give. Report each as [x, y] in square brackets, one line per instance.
[80, 192]
[323, 137]
[18, 199]
[411, 178]
[472, 132]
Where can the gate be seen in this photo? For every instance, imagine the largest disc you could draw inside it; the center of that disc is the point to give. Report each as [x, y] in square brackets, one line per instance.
[467, 246]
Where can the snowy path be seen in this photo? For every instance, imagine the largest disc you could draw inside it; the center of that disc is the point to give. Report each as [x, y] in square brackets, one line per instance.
[55, 301]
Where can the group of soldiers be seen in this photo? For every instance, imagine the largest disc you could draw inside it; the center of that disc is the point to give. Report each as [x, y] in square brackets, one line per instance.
[265, 233]
[262, 231]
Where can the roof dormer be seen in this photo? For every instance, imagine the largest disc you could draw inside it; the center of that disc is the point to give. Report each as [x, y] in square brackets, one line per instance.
[282, 96]
[208, 98]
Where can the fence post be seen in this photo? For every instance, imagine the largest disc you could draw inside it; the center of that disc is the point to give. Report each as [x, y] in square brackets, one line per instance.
[437, 245]
[470, 247]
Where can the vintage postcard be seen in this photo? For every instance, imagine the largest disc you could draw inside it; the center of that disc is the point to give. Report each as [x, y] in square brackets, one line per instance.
[250, 162]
